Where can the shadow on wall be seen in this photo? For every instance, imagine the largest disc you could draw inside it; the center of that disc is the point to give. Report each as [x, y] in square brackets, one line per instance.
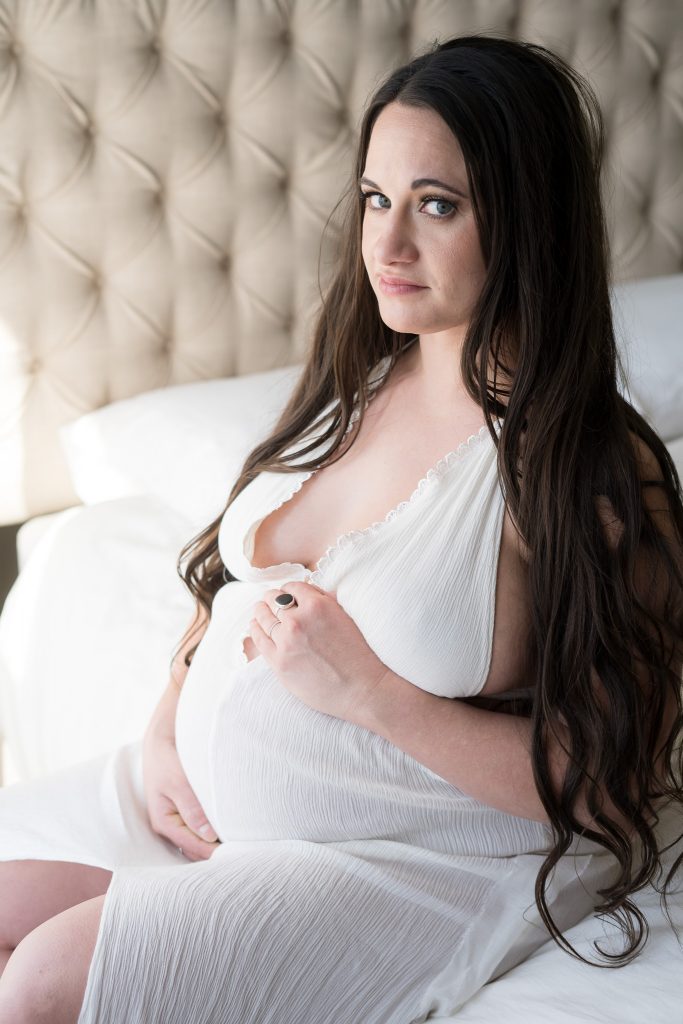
[8, 559]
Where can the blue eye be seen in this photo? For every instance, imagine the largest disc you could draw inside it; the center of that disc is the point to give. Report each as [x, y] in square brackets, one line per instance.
[443, 202]
[364, 196]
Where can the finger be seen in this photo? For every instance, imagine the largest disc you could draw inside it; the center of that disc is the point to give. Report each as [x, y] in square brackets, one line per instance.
[260, 636]
[295, 586]
[192, 813]
[265, 616]
[300, 589]
[269, 597]
[314, 586]
[184, 839]
[264, 613]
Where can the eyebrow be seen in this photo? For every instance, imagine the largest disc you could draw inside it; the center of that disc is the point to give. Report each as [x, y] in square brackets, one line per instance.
[420, 183]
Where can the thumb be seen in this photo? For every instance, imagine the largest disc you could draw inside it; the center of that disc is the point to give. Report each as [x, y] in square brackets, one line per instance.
[194, 817]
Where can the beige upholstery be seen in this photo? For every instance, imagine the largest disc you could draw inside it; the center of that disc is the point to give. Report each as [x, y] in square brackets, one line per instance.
[167, 167]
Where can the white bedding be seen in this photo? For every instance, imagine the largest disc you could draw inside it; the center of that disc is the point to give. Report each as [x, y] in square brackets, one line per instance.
[552, 988]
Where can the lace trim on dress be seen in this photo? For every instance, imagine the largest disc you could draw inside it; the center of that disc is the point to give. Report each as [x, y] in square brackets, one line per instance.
[437, 472]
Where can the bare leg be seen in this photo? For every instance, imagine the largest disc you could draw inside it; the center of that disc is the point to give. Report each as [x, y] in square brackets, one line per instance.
[46, 978]
[33, 891]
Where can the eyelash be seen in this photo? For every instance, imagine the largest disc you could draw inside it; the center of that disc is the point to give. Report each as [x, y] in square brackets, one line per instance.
[363, 196]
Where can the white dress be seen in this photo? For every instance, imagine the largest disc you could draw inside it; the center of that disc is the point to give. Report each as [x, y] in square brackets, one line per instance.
[352, 883]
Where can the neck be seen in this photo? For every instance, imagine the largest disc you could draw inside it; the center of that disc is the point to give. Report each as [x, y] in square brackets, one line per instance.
[432, 368]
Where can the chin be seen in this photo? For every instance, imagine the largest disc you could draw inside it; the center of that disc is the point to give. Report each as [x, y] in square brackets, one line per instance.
[402, 324]
[401, 328]
[419, 329]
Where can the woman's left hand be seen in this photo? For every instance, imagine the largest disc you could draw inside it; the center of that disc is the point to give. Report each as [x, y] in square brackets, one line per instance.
[318, 653]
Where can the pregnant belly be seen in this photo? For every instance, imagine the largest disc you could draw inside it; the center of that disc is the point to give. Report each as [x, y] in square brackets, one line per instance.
[266, 766]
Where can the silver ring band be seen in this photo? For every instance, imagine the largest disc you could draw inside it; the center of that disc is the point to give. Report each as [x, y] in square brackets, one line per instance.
[284, 601]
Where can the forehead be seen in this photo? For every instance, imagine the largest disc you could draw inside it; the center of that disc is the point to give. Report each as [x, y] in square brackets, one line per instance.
[404, 136]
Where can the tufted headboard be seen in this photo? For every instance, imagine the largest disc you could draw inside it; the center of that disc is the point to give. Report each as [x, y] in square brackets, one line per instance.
[167, 168]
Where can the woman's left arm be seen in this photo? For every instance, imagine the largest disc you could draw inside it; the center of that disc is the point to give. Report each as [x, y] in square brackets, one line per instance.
[486, 754]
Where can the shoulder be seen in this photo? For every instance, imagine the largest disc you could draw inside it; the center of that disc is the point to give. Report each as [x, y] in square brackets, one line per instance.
[649, 467]
[655, 584]
[654, 496]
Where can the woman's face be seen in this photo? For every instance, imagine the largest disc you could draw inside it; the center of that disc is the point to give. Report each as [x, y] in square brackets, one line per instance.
[422, 233]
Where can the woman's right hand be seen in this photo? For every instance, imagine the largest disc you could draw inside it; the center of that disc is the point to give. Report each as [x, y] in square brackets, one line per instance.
[173, 808]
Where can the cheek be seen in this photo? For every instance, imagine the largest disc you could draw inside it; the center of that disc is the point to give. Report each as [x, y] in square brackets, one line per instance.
[465, 256]
[365, 245]
[476, 258]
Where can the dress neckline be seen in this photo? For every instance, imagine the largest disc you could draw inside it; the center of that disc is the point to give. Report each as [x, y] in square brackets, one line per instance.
[436, 473]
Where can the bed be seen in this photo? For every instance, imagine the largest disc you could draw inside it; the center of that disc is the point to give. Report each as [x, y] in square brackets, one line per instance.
[142, 360]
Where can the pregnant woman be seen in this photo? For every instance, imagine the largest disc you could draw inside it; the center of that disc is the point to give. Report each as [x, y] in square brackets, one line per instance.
[426, 713]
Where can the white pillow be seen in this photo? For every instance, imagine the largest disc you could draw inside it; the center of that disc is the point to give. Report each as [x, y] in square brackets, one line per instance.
[88, 631]
[648, 317]
[183, 444]
[676, 451]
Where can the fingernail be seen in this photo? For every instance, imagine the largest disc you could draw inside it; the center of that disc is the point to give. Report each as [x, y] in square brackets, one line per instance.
[207, 832]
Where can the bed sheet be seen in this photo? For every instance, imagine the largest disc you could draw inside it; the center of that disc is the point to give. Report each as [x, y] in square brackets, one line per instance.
[552, 988]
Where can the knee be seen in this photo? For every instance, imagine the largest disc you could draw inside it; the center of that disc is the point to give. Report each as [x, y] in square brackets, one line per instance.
[30, 990]
[46, 977]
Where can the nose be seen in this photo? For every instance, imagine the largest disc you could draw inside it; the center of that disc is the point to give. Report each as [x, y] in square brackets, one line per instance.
[394, 242]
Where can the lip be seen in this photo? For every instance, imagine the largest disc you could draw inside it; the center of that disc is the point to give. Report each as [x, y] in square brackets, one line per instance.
[398, 285]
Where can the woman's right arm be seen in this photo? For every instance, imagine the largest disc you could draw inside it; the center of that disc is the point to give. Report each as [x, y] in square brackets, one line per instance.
[173, 809]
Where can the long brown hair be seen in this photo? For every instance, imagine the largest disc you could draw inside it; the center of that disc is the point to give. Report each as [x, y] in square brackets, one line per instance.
[531, 132]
